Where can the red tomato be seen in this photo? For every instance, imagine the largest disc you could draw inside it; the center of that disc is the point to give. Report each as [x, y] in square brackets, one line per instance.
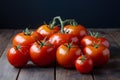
[47, 31]
[18, 56]
[60, 38]
[90, 40]
[42, 54]
[77, 30]
[99, 54]
[66, 55]
[26, 38]
[84, 64]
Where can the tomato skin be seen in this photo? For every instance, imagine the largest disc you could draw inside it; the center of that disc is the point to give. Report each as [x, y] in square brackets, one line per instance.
[26, 40]
[66, 57]
[100, 55]
[104, 42]
[85, 66]
[42, 55]
[46, 31]
[18, 58]
[61, 38]
[87, 40]
[90, 40]
[77, 30]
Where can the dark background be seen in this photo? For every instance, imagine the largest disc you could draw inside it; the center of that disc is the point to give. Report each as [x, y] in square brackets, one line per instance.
[90, 13]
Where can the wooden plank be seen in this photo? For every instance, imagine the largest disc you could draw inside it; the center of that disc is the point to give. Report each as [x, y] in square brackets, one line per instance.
[5, 36]
[116, 36]
[36, 73]
[71, 74]
[110, 71]
[7, 71]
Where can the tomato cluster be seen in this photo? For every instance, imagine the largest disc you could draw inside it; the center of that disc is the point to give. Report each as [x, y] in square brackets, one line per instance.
[68, 44]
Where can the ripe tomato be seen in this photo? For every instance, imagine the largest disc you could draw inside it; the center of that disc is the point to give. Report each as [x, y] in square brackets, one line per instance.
[66, 55]
[90, 40]
[26, 38]
[99, 54]
[18, 56]
[84, 64]
[47, 31]
[77, 30]
[42, 53]
[60, 38]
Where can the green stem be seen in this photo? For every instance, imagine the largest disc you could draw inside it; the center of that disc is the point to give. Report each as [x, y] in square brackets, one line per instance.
[53, 23]
[96, 35]
[61, 23]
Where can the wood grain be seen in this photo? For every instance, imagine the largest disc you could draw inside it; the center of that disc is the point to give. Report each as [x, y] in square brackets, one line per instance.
[5, 36]
[7, 71]
[71, 74]
[36, 73]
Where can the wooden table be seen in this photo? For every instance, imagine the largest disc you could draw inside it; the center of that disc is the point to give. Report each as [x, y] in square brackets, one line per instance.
[111, 71]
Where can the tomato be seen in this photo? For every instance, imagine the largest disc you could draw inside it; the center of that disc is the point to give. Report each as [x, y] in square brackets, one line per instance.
[84, 64]
[99, 54]
[47, 30]
[60, 38]
[42, 53]
[18, 56]
[26, 38]
[77, 30]
[67, 53]
[90, 40]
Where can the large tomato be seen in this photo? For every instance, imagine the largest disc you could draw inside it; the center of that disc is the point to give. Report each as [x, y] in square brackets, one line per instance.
[26, 38]
[18, 56]
[42, 53]
[91, 40]
[99, 54]
[60, 38]
[77, 30]
[47, 30]
[84, 64]
[66, 55]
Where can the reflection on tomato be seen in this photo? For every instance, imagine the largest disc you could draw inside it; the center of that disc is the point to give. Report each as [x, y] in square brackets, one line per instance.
[42, 54]
[18, 56]
[84, 64]
[26, 39]
[91, 40]
[67, 54]
[60, 38]
[99, 54]
[77, 30]
[47, 31]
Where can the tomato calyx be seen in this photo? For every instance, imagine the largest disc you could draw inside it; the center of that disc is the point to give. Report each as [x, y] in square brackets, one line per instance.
[83, 58]
[96, 45]
[96, 35]
[43, 42]
[69, 46]
[18, 47]
[27, 32]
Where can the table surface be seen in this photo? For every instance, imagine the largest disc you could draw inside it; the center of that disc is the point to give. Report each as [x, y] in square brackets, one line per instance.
[111, 71]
